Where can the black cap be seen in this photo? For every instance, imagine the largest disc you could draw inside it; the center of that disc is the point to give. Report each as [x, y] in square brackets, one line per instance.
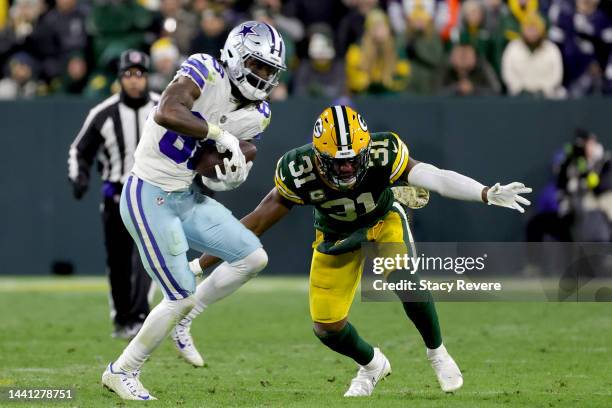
[133, 58]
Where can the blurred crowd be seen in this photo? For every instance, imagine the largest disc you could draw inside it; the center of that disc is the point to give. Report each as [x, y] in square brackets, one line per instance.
[336, 48]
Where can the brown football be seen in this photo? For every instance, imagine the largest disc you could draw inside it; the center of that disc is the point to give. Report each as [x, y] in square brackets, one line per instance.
[210, 157]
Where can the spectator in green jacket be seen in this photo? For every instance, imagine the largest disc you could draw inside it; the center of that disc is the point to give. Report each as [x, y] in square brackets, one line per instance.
[475, 33]
[424, 50]
[74, 79]
[116, 26]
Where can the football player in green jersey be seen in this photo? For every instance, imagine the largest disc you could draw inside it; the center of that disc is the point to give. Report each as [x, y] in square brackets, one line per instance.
[346, 173]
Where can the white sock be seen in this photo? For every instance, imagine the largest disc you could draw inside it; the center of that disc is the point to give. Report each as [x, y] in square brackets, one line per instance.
[225, 280]
[437, 351]
[156, 327]
[375, 362]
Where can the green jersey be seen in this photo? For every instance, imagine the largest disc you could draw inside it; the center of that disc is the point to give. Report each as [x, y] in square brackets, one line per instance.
[343, 212]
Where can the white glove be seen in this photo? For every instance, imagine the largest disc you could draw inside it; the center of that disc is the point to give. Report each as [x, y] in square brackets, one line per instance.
[230, 180]
[509, 196]
[226, 140]
[220, 149]
[195, 268]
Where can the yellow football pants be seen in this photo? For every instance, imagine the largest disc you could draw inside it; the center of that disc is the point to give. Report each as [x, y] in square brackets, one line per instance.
[334, 278]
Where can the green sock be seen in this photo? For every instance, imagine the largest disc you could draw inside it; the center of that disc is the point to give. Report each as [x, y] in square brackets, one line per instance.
[421, 310]
[425, 319]
[348, 343]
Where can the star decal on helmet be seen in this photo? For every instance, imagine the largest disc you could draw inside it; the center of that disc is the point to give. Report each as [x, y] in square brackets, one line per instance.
[246, 30]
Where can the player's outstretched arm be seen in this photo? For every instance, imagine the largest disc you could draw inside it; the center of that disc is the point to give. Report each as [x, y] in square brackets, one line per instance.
[457, 186]
[269, 211]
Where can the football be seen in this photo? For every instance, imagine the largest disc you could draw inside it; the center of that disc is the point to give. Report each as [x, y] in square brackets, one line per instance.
[210, 157]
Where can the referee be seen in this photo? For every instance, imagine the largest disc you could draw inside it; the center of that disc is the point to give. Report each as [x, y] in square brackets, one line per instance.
[110, 133]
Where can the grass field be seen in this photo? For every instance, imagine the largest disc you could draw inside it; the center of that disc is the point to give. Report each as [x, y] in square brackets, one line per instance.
[261, 352]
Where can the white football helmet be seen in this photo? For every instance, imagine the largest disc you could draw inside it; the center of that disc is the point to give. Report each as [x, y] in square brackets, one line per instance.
[253, 40]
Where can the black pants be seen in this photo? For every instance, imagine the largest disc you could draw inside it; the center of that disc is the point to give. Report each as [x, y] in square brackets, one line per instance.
[129, 281]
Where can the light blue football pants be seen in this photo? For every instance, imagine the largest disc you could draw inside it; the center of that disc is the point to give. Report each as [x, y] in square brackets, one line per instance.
[165, 225]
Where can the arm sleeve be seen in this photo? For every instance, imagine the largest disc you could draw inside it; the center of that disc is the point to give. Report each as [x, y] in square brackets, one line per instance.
[83, 150]
[446, 183]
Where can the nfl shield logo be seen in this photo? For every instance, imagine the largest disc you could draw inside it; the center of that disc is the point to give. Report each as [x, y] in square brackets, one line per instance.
[134, 57]
[160, 200]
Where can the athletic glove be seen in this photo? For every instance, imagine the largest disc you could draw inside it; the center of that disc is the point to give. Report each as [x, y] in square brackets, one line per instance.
[228, 141]
[232, 178]
[509, 196]
[79, 187]
[195, 268]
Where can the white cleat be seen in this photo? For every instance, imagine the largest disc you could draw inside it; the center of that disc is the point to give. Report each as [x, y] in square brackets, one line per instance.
[125, 385]
[447, 371]
[184, 343]
[369, 375]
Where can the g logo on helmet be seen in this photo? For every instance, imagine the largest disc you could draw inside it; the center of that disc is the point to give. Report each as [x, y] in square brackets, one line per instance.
[362, 123]
[318, 128]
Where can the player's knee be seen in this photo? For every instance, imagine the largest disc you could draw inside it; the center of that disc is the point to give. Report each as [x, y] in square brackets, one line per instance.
[259, 259]
[180, 307]
[253, 263]
[323, 330]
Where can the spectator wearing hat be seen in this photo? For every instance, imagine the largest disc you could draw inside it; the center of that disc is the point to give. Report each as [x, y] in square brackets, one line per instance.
[165, 60]
[110, 133]
[74, 80]
[513, 16]
[532, 64]
[21, 79]
[424, 50]
[322, 74]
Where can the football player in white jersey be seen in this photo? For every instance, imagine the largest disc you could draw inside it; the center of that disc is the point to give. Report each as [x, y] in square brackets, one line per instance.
[209, 101]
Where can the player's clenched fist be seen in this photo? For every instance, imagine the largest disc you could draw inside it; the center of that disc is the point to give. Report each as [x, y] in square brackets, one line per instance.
[228, 141]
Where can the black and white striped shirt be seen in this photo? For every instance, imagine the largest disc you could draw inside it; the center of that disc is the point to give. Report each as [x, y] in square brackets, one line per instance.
[111, 133]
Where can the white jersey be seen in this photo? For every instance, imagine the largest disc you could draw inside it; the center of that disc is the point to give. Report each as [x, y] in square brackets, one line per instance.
[167, 159]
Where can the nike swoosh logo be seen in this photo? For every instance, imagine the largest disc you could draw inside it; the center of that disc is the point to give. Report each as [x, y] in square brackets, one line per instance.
[394, 148]
[282, 177]
[181, 345]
